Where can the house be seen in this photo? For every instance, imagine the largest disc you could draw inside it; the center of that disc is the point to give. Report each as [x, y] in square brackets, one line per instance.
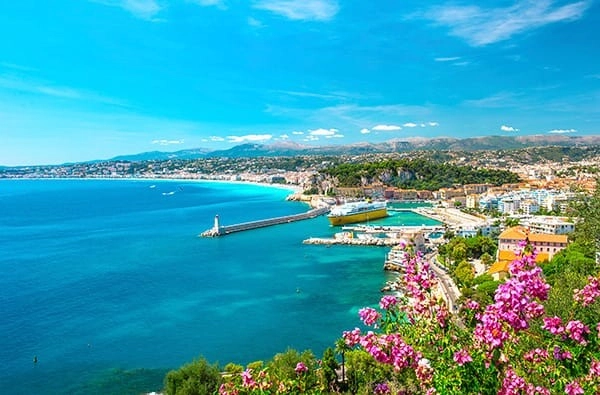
[512, 238]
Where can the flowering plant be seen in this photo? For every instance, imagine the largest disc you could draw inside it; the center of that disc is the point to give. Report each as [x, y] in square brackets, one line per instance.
[512, 348]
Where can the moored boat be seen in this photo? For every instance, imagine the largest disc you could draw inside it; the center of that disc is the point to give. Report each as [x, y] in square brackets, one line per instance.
[357, 212]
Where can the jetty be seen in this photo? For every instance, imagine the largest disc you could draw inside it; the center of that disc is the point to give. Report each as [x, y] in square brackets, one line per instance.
[219, 230]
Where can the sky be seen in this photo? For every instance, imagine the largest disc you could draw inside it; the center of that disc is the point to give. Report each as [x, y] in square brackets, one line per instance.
[91, 79]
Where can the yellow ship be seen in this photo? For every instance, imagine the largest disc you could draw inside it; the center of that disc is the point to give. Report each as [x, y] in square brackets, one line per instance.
[349, 213]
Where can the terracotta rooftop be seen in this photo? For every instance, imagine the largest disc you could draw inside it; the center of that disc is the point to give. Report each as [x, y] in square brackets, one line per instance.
[520, 233]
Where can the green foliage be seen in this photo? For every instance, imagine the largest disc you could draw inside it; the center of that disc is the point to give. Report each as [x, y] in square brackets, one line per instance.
[464, 273]
[196, 378]
[587, 228]
[328, 368]
[416, 173]
[363, 372]
[482, 279]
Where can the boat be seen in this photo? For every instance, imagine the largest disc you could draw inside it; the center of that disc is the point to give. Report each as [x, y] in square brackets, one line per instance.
[363, 211]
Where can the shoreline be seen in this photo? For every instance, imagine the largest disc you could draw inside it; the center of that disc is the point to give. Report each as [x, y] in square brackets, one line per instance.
[291, 187]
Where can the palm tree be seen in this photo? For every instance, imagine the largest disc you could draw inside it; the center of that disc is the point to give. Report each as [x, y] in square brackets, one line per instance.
[341, 347]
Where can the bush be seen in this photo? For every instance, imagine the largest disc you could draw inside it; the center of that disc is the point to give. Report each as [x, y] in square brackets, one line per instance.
[196, 378]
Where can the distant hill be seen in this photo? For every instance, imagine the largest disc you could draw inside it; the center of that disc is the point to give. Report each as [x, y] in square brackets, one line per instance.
[160, 155]
[409, 144]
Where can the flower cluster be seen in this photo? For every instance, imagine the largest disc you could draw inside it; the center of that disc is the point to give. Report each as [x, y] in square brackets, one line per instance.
[589, 293]
[503, 348]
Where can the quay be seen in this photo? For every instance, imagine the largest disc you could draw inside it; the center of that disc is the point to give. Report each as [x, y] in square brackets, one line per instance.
[218, 230]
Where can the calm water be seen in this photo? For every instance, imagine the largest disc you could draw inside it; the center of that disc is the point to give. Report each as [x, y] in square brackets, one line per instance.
[107, 283]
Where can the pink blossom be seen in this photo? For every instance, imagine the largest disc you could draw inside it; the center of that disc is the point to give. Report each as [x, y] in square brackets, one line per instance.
[388, 301]
[595, 368]
[472, 305]
[369, 315]
[553, 325]
[352, 338]
[247, 380]
[461, 357]
[301, 368]
[560, 355]
[573, 388]
[589, 293]
[536, 355]
[512, 384]
[381, 389]
[576, 331]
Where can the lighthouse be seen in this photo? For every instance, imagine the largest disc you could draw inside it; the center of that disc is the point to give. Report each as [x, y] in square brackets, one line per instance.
[216, 226]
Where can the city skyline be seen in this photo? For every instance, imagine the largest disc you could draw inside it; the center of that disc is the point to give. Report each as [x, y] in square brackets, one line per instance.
[100, 78]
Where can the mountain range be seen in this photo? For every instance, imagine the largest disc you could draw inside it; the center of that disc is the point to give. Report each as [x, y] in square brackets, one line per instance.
[397, 145]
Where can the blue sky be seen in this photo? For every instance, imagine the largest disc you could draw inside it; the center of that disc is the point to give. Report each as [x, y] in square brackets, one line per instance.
[92, 79]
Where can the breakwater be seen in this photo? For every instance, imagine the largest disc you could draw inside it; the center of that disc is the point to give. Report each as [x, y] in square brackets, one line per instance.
[218, 230]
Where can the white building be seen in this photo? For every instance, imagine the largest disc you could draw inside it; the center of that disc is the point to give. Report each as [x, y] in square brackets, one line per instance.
[549, 225]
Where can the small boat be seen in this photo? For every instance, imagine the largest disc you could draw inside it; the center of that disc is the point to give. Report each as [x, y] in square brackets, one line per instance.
[363, 211]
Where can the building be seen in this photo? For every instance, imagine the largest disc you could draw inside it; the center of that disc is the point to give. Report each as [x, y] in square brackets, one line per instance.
[512, 238]
[549, 225]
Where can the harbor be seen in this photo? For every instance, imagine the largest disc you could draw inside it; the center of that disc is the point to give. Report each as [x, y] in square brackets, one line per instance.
[219, 230]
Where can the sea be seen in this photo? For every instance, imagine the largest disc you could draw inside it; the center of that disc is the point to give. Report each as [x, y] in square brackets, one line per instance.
[106, 285]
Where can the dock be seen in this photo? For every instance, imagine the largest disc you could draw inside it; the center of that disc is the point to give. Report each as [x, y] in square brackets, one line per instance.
[218, 230]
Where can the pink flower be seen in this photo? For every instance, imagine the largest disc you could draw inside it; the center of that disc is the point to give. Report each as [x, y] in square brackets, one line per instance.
[301, 368]
[247, 380]
[573, 388]
[369, 315]
[589, 293]
[553, 325]
[536, 355]
[472, 305]
[461, 357]
[381, 389]
[576, 331]
[388, 301]
[560, 355]
[352, 338]
[595, 368]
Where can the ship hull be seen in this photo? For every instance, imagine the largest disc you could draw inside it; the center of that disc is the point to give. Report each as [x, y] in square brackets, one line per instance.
[363, 216]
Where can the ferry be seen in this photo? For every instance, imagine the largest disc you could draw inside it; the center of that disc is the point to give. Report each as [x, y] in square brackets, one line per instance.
[349, 213]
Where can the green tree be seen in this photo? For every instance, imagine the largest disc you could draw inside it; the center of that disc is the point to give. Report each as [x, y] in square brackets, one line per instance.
[464, 273]
[586, 210]
[196, 378]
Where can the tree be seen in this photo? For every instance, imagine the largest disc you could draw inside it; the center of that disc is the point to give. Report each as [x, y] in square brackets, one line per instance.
[586, 209]
[196, 378]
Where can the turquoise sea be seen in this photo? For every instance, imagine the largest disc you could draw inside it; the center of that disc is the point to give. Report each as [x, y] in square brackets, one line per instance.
[108, 285]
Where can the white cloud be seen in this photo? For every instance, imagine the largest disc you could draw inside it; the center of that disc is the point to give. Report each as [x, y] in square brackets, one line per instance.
[255, 22]
[167, 142]
[143, 9]
[410, 125]
[284, 136]
[206, 3]
[319, 10]
[506, 128]
[61, 92]
[482, 26]
[323, 132]
[249, 137]
[386, 128]
[433, 124]
[216, 138]
[447, 59]
[365, 131]
[297, 133]
[562, 131]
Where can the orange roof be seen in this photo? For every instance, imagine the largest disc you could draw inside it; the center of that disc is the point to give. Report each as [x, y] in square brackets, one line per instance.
[507, 256]
[499, 267]
[520, 233]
